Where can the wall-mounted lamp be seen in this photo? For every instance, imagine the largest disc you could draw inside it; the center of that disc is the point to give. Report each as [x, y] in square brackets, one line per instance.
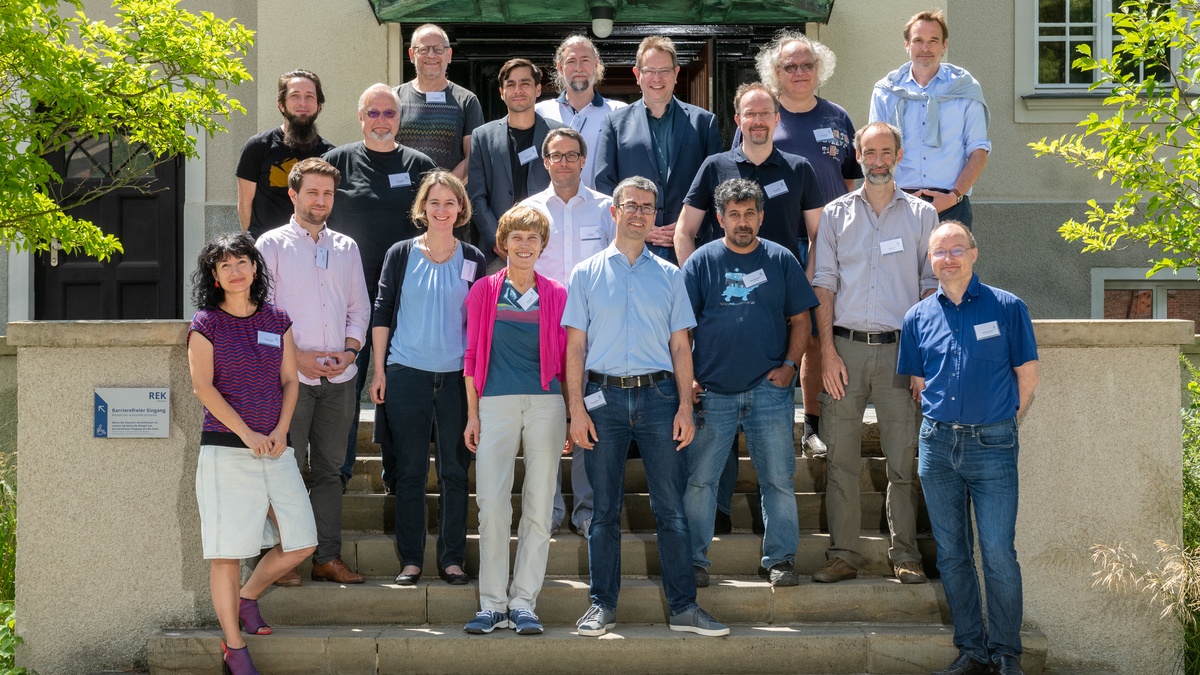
[602, 20]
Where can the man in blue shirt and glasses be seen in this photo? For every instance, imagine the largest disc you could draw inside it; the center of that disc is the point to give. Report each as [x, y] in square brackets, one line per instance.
[627, 319]
[970, 351]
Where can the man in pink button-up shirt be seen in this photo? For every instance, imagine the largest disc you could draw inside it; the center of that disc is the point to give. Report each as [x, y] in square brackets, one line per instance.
[317, 277]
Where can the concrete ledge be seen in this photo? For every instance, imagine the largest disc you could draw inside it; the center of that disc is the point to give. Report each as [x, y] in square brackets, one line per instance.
[1088, 333]
[7, 349]
[630, 648]
[151, 333]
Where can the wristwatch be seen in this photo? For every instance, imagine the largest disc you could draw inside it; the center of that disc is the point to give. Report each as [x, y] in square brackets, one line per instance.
[956, 193]
[351, 349]
[793, 365]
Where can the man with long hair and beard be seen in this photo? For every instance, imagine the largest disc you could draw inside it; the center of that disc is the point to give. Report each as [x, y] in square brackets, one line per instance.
[268, 157]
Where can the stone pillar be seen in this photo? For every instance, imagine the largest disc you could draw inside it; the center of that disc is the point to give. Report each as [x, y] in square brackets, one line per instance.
[108, 547]
[1101, 463]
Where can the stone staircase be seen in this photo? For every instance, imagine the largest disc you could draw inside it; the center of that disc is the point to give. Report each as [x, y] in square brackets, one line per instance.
[872, 624]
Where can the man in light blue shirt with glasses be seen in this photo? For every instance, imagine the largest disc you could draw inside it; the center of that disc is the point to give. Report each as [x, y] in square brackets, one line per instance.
[940, 109]
[627, 319]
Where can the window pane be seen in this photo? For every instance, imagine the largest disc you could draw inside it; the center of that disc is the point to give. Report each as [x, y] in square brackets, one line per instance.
[1084, 31]
[1184, 304]
[1051, 11]
[1129, 304]
[1052, 31]
[1051, 63]
[88, 158]
[1082, 11]
[1079, 76]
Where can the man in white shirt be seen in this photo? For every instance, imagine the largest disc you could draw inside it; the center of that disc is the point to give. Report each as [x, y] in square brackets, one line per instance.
[578, 71]
[581, 225]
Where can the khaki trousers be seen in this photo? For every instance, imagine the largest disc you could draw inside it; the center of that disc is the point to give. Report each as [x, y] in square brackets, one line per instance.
[872, 373]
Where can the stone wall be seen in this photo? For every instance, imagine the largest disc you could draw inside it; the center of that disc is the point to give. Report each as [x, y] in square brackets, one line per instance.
[108, 548]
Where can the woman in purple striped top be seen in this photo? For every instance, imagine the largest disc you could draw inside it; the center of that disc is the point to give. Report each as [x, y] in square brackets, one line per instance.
[248, 487]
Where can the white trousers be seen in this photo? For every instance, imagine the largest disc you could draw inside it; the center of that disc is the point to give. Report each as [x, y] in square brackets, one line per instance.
[506, 424]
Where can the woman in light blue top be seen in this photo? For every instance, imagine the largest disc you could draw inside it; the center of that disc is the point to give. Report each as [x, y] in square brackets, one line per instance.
[418, 381]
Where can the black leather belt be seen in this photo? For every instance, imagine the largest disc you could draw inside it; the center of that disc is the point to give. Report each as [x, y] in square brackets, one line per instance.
[913, 191]
[882, 338]
[631, 381]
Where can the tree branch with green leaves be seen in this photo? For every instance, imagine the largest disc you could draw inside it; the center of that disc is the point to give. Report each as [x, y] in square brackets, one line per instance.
[1149, 144]
[151, 76]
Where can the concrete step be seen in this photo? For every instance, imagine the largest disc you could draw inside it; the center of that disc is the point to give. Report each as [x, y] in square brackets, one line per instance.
[627, 650]
[562, 601]
[374, 555]
[870, 434]
[376, 513]
[808, 477]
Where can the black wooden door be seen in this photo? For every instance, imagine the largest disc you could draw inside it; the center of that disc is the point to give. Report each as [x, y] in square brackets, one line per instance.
[146, 214]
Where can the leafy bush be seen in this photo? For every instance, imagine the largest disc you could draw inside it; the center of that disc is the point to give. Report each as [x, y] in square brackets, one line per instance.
[8, 641]
[8, 530]
[1191, 462]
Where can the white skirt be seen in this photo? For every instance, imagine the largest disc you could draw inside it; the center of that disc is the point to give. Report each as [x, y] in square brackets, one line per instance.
[234, 489]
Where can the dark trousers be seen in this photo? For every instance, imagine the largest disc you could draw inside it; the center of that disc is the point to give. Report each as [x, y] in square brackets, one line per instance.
[419, 401]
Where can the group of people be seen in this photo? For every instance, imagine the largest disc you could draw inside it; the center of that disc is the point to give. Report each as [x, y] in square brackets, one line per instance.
[630, 283]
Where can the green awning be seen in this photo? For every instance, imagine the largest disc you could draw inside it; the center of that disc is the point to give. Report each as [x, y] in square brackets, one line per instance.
[681, 12]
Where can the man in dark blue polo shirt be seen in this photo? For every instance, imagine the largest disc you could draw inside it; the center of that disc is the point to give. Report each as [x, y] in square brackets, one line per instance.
[970, 351]
[743, 286]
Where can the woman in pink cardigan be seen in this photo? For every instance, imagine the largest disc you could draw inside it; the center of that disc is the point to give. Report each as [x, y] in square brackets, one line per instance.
[514, 367]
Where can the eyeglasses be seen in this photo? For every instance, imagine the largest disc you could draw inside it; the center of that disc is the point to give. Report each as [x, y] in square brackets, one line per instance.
[425, 49]
[956, 252]
[806, 67]
[387, 114]
[570, 157]
[631, 208]
[661, 72]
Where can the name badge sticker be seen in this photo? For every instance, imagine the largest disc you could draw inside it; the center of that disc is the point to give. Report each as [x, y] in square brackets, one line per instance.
[594, 401]
[526, 301]
[269, 339]
[468, 270]
[589, 233]
[891, 246]
[399, 180]
[527, 155]
[435, 97]
[987, 330]
[775, 189]
[754, 278]
[322, 258]
[825, 134]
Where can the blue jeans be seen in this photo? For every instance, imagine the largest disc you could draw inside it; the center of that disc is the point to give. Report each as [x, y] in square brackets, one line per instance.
[975, 465]
[418, 401]
[765, 414]
[646, 415]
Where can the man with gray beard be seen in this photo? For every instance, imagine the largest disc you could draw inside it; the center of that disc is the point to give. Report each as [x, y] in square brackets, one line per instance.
[379, 181]
[871, 268]
[268, 157]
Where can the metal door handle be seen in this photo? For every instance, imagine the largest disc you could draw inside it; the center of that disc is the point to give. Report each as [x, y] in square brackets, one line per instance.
[55, 247]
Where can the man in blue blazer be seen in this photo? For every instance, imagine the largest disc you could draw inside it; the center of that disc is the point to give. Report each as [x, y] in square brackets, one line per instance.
[659, 137]
[505, 164]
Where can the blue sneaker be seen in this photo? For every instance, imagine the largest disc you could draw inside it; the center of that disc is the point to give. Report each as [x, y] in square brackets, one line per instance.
[525, 622]
[486, 622]
[596, 621]
[698, 621]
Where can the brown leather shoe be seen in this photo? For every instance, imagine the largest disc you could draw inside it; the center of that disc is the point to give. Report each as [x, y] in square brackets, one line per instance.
[910, 573]
[336, 571]
[289, 580]
[835, 569]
